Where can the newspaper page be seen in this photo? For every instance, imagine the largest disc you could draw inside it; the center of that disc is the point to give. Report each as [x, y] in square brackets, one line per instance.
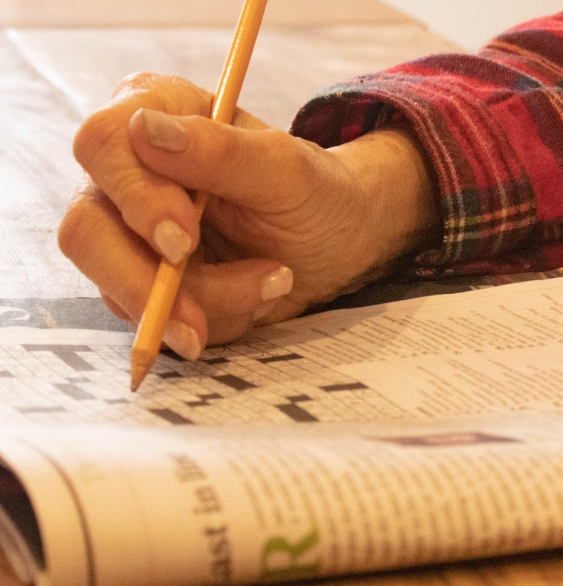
[420, 486]
[266, 504]
[478, 352]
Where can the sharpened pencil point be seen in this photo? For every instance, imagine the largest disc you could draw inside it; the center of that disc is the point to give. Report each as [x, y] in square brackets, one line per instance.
[141, 363]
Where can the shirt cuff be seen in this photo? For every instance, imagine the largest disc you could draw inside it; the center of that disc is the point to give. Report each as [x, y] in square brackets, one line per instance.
[486, 197]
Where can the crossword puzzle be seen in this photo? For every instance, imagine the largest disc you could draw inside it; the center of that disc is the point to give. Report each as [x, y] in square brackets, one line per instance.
[248, 381]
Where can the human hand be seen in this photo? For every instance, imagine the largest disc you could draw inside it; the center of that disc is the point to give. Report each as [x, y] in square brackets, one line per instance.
[278, 201]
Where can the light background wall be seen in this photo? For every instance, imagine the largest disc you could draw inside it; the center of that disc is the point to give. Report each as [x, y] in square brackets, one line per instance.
[468, 23]
[191, 12]
[472, 23]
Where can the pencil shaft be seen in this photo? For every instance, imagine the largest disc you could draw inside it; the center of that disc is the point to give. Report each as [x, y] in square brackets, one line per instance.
[161, 299]
[238, 59]
[159, 305]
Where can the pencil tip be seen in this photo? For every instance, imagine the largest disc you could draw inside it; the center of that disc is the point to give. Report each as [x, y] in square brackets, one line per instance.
[141, 363]
[136, 383]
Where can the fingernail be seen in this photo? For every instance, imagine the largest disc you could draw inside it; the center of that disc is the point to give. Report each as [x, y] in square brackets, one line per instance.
[276, 284]
[173, 242]
[182, 339]
[164, 131]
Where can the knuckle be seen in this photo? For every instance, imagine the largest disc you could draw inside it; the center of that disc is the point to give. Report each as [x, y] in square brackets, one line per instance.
[98, 147]
[81, 225]
[75, 230]
[170, 93]
[185, 98]
[130, 200]
[135, 81]
[65, 235]
[129, 203]
[95, 135]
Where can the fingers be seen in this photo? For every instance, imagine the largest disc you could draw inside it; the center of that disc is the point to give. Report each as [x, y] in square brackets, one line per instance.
[125, 216]
[115, 258]
[115, 309]
[248, 166]
[235, 295]
[229, 297]
[277, 197]
[155, 208]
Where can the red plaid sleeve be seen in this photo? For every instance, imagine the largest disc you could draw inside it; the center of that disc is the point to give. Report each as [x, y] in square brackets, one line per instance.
[492, 126]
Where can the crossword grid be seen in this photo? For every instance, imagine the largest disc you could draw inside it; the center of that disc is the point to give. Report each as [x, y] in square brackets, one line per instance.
[250, 381]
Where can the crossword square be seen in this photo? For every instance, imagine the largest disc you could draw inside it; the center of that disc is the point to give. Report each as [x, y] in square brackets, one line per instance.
[215, 361]
[172, 374]
[355, 386]
[173, 355]
[234, 382]
[299, 398]
[67, 354]
[204, 400]
[297, 413]
[171, 416]
[74, 391]
[280, 358]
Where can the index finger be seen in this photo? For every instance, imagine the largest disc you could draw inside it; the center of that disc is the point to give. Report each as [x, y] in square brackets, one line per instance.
[156, 208]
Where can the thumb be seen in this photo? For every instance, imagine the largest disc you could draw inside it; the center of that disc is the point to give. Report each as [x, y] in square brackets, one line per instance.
[262, 169]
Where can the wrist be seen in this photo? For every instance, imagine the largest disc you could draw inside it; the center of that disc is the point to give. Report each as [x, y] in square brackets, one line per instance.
[398, 193]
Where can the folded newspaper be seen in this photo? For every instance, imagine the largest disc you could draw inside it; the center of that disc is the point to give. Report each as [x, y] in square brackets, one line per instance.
[353, 441]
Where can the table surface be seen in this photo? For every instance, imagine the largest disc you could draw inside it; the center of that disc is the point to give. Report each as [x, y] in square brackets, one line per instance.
[57, 64]
[52, 78]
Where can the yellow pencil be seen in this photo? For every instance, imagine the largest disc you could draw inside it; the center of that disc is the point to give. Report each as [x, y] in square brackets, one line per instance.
[157, 311]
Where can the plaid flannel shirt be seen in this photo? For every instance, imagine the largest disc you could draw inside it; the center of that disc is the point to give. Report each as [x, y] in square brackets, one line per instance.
[492, 127]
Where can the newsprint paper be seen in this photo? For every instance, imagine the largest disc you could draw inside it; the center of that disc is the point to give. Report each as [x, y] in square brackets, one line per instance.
[416, 432]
